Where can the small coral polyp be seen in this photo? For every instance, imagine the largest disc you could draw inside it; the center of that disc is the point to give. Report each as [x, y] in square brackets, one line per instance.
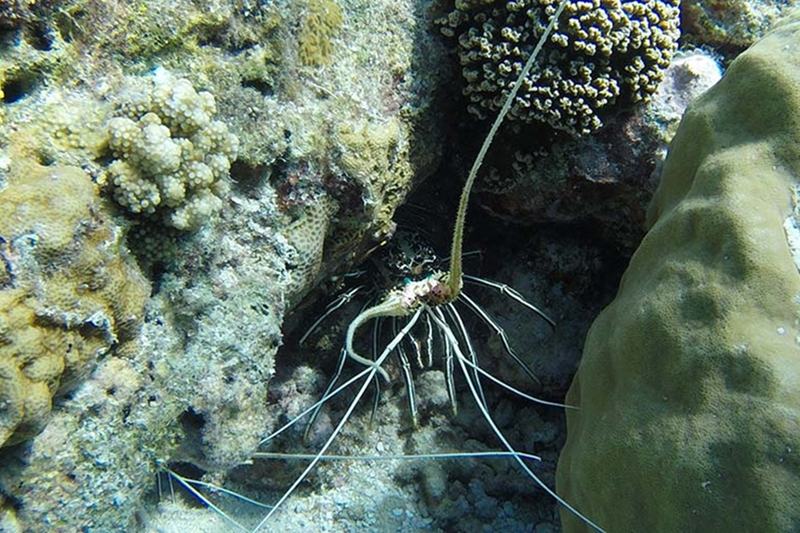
[172, 159]
[601, 52]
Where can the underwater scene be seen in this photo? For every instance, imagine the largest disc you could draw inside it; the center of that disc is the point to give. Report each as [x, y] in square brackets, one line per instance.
[519, 266]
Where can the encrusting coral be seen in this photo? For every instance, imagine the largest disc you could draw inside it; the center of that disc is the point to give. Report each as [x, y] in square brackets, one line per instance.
[689, 387]
[321, 23]
[602, 51]
[68, 293]
[307, 236]
[172, 159]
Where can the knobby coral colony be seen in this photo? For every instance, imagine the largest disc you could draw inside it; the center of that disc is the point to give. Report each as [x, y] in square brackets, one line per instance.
[171, 158]
[431, 299]
[603, 51]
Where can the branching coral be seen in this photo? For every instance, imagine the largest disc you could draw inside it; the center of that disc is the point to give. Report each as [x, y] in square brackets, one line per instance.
[172, 159]
[601, 51]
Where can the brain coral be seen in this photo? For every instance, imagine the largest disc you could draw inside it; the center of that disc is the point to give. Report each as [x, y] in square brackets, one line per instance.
[171, 159]
[689, 387]
[601, 51]
[67, 293]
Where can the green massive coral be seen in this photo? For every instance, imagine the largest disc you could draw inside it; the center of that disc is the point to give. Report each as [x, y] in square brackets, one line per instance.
[689, 387]
[601, 51]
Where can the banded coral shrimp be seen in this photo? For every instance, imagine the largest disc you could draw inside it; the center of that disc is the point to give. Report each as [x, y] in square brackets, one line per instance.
[421, 317]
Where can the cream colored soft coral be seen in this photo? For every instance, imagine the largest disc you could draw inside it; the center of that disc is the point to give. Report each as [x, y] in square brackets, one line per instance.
[172, 159]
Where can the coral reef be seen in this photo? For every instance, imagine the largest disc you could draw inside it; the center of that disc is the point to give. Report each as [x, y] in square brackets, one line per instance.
[141, 30]
[689, 387]
[307, 237]
[78, 89]
[369, 153]
[91, 465]
[13, 12]
[604, 51]
[570, 275]
[68, 293]
[172, 159]
[191, 390]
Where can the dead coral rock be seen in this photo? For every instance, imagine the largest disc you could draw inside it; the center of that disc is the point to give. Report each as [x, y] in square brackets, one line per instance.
[730, 24]
[68, 293]
[605, 180]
